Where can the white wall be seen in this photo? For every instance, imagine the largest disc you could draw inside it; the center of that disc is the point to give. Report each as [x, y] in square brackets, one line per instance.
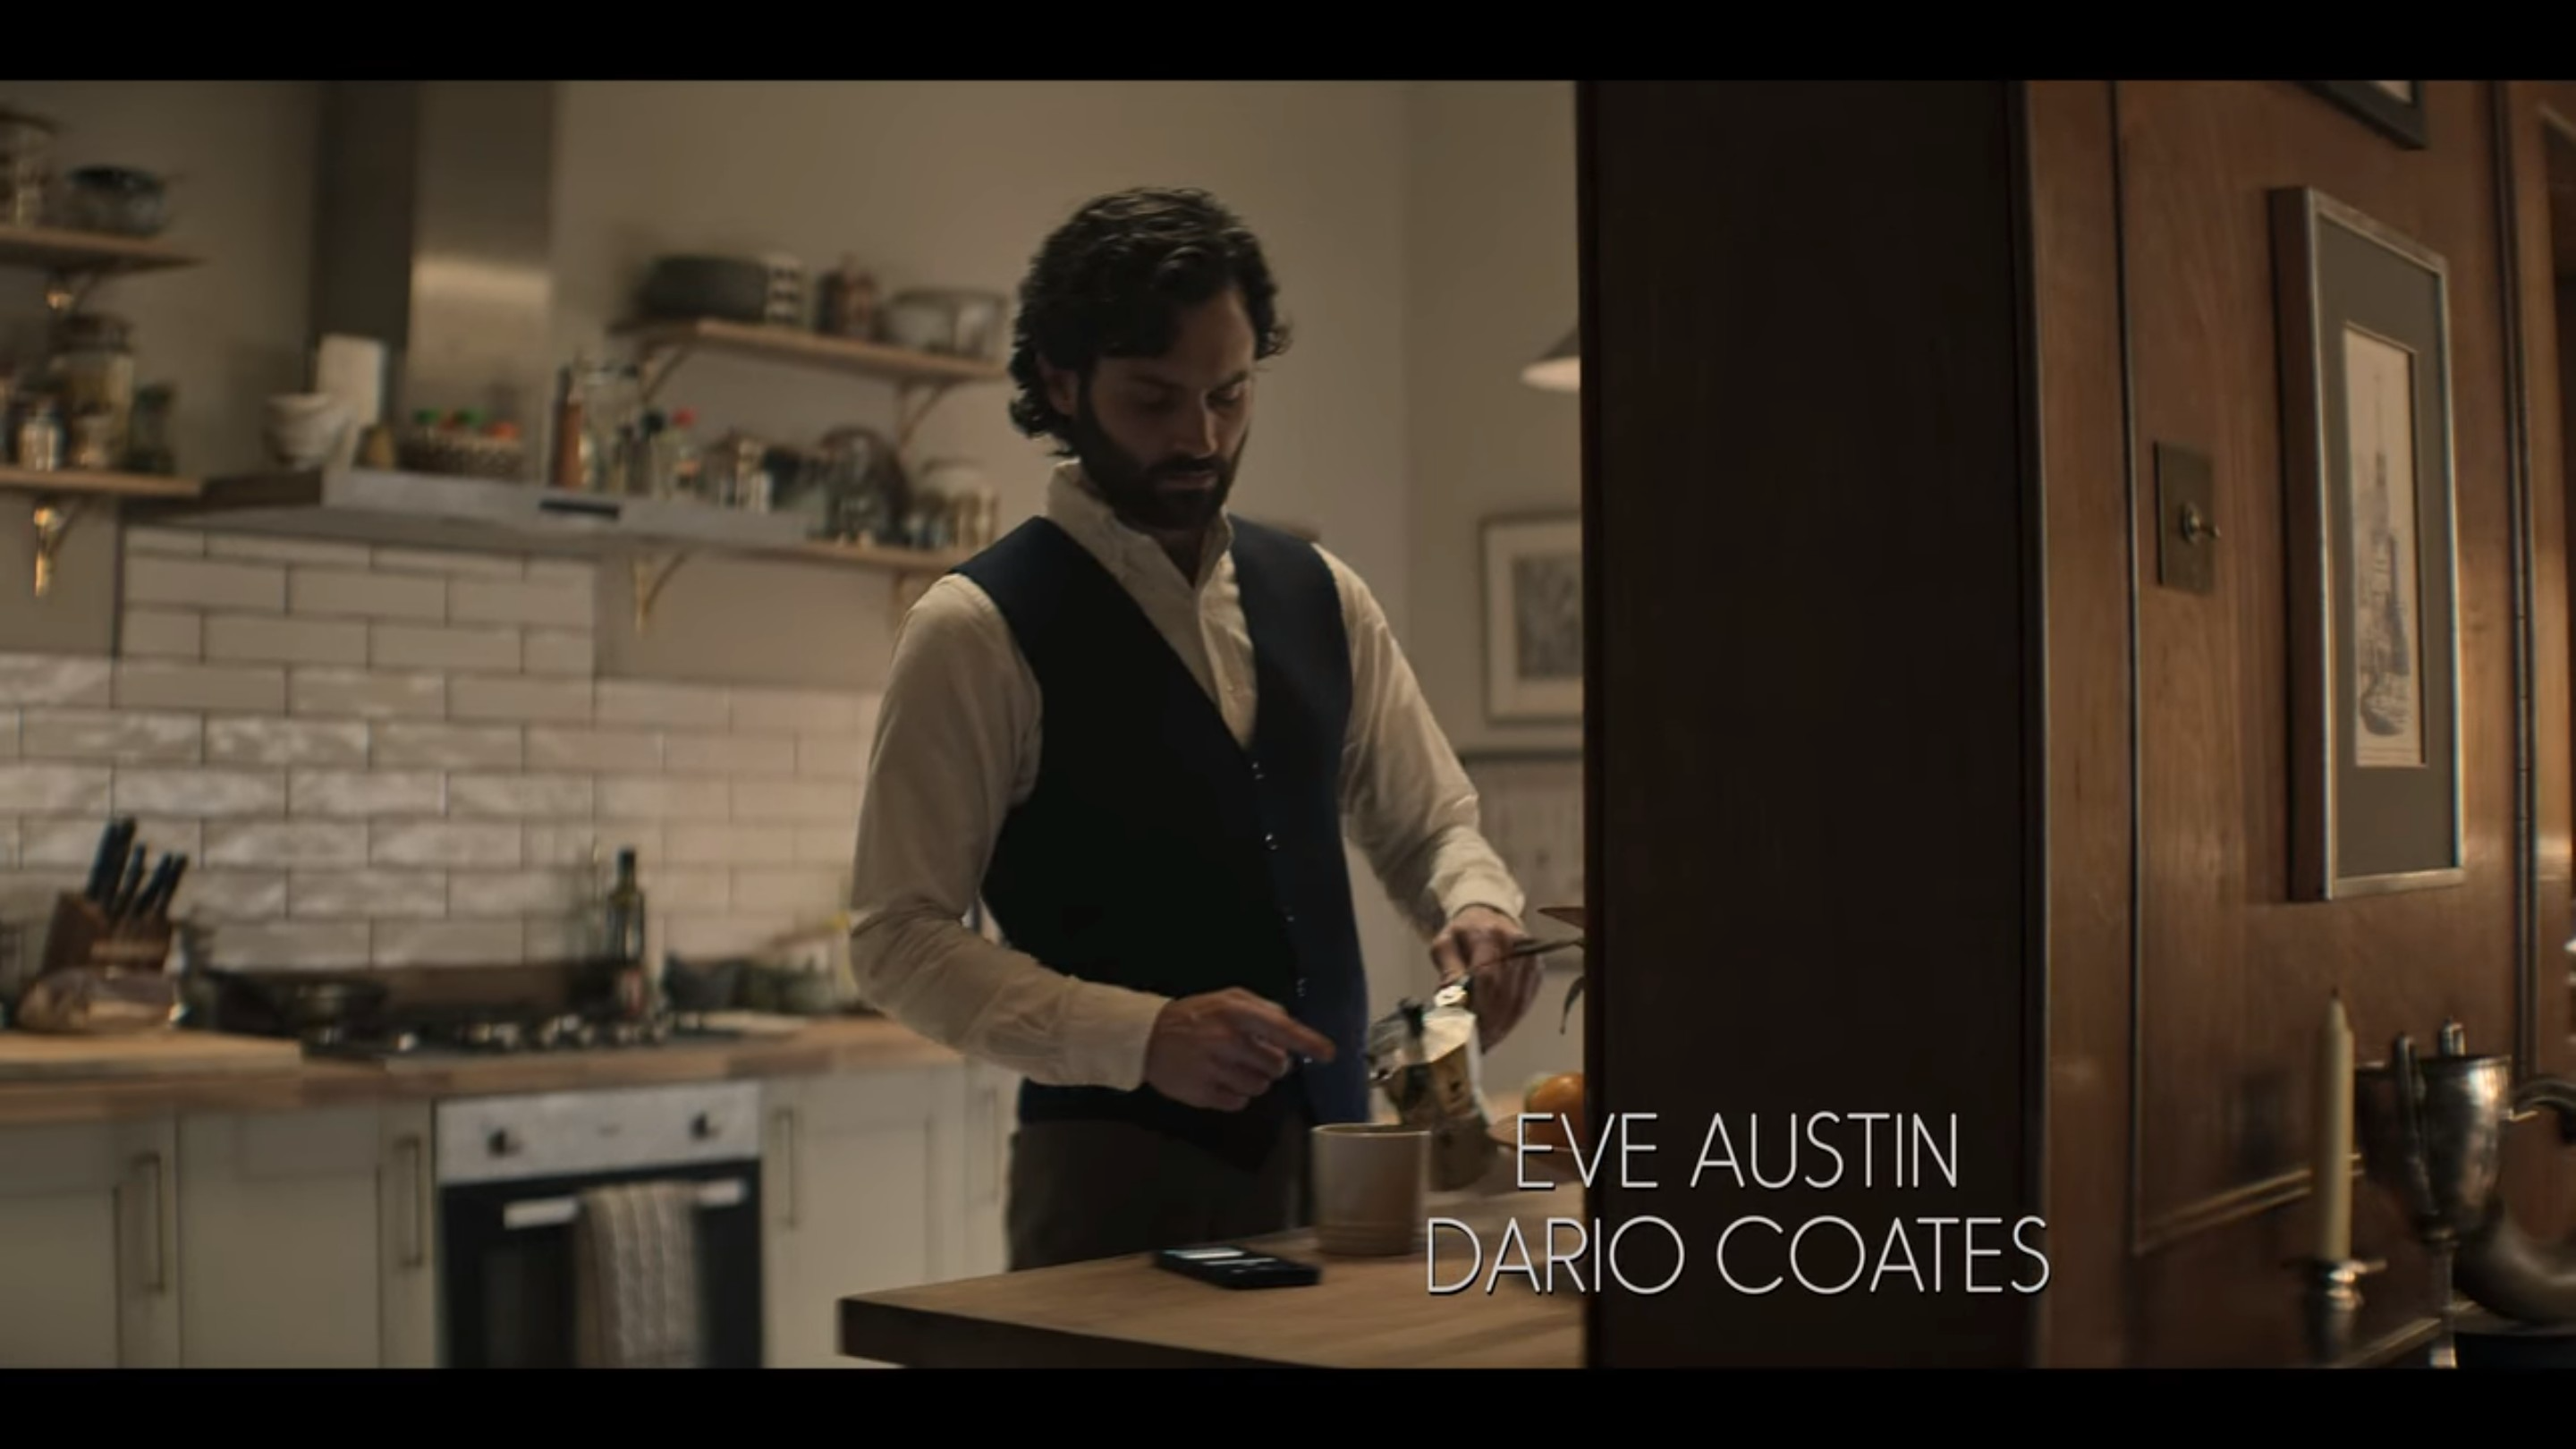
[1490, 284]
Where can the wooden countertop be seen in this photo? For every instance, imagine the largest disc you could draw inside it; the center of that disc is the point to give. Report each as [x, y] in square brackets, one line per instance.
[845, 1044]
[1126, 1313]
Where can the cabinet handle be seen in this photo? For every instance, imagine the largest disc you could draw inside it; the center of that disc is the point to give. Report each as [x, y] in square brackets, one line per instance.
[415, 1155]
[785, 1121]
[157, 1280]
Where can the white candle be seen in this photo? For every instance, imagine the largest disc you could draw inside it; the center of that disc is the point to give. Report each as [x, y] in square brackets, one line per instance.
[2333, 1166]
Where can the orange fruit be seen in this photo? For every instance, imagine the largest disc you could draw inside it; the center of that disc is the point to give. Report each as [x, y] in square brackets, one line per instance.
[1559, 1096]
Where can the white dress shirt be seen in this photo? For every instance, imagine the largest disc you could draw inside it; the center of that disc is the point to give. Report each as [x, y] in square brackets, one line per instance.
[957, 748]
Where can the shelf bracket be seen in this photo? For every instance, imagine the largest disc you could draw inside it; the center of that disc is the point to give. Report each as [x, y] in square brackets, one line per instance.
[651, 577]
[52, 519]
[913, 402]
[655, 367]
[66, 292]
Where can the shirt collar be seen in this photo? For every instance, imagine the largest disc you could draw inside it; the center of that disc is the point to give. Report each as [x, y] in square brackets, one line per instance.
[1074, 502]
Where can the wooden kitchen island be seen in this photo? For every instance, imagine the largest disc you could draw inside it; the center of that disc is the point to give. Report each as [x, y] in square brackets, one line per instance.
[1366, 1313]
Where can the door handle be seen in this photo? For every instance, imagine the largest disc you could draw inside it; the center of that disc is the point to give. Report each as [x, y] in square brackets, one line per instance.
[414, 1154]
[156, 1278]
[554, 1212]
[783, 1121]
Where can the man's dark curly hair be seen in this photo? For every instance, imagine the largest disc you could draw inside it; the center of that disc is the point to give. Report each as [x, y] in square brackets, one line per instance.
[1113, 281]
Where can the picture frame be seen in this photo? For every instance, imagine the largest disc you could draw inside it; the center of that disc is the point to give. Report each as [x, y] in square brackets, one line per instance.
[2367, 448]
[1533, 585]
[2393, 108]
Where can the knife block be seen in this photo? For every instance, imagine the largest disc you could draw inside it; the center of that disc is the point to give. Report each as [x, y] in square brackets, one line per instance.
[82, 937]
[99, 978]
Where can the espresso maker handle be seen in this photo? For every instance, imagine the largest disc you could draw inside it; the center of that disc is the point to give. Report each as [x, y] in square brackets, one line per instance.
[2506, 1270]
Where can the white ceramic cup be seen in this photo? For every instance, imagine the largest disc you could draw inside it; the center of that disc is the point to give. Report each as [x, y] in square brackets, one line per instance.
[1370, 1179]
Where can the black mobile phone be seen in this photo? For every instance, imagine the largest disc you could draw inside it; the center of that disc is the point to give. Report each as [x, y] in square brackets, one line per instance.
[1230, 1267]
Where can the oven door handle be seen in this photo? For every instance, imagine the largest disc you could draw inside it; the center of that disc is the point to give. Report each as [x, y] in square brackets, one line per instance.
[554, 1212]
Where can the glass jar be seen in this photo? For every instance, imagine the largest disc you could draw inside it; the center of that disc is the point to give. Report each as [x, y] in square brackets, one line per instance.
[94, 370]
[36, 436]
[26, 167]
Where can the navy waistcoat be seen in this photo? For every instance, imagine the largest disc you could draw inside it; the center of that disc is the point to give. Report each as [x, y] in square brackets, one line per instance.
[1156, 853]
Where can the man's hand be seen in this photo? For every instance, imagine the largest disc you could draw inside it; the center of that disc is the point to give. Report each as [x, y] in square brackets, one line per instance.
[1500, 988]
[1225, 1048]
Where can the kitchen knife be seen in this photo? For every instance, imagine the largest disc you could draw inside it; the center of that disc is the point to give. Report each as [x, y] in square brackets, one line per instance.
[133, 883]
[170, 891]
[111, 854]
[147, 903]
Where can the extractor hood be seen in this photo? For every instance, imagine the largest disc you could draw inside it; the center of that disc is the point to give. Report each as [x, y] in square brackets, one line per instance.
[419, 510]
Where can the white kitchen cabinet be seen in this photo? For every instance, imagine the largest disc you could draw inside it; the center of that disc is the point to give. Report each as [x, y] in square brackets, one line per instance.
[89, 1245]
[992, 1107]
[307, 1239]
[865, 1178]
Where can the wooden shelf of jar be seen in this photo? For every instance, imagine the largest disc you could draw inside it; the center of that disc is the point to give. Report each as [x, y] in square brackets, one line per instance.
[797, 347]
[60, 494]
[53, 249]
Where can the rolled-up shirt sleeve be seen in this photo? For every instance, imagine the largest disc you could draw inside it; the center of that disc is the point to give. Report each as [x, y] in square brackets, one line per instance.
[1411, 808]
[955, 747]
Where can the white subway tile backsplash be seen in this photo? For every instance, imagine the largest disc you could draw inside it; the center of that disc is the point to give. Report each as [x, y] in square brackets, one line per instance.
[286, 550]
[231, 895]
[73, 840]
[796, 800]
[498, 697]
[175, 542]
[364, 695]
[549, 797]
[320, 945]
[367, 894]
[720, 845]
[204, 583]
[580, 846]
[833, 757]
[827, 844]
[518, 893]
[424, 843]
[663, 798]
[399, 756]
[554, 605]
[231, 688]
[336, 593]
[801, 893]
[447, 943]
[28, 679]
[55, 789]
[448, 747]
[259, 639]
[555, 651]
[119, 738]
[633, 751]
[672, 706]
[698, 890]
[262, 740]
[799, 712]
[284, 844]
[208, 792]
[357, 792]
[443, 562]
[700, 754]
[430, 646]
[162, 634]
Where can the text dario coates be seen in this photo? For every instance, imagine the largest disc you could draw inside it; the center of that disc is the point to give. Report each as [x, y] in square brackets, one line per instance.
[1911, 1247]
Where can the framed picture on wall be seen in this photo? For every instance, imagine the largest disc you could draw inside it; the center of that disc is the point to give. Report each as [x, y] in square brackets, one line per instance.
[1534, 619]
[2364, 331]
[2395, 108]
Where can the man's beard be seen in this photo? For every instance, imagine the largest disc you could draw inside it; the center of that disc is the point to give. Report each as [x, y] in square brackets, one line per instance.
[1152, 498]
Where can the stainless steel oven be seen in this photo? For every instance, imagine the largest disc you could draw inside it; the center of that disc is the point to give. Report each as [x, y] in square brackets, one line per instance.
[511, 1174]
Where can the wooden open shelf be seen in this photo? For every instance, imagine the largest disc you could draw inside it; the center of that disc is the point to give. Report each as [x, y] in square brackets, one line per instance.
[73, 482]
[880, 556]
[796, 347]
[53, 249]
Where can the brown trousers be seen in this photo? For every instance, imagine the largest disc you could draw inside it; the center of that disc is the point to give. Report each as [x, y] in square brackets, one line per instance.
[1086, 1190]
